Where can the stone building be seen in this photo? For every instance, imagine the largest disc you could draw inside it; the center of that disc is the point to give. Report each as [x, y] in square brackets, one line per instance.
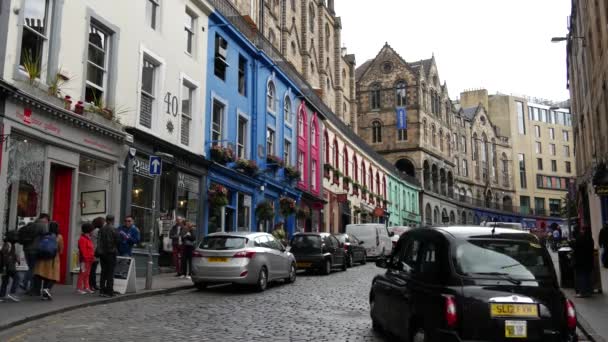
[307, 33]
[454, 152]
[587, 73]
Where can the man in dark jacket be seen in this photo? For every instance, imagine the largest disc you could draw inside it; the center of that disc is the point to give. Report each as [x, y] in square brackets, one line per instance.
[107, 250]
[603, 242]
[583, 262]
[176, 241]
[29, 237]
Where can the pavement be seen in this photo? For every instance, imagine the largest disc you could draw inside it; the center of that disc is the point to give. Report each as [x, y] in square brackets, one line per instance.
[65, 298]
[592, 312]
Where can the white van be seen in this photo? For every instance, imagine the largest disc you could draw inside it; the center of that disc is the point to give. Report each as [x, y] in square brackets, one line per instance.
[374, 237]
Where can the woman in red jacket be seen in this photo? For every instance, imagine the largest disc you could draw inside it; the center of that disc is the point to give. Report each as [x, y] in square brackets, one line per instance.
[86, 258]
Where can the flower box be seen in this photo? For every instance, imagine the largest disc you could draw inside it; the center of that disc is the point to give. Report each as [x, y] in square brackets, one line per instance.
[249, 167]
[221, 155]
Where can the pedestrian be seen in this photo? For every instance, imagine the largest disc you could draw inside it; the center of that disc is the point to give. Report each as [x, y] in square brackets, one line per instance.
[86, 257]
[107, 250]
[129, 234]
[29, 237]
[603, 242]
[188, 239]
[583, 262]
[48, 270]
[8, 267]
[98, 222]
[176, 242]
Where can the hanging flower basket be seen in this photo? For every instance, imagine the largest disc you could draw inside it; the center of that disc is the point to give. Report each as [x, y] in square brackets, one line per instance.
[292, 173]
[221, 155]
[364, 190]
[218, 195]
[274, 162]
[264, 211]
[249, 167]
[287, 206]
[347, 180]
[303, 213]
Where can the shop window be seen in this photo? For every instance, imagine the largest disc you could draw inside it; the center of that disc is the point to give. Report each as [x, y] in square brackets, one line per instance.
[25, 176]
[93, 187]
[243, 212]
[221, 218]
[141, 201]
[188, 197]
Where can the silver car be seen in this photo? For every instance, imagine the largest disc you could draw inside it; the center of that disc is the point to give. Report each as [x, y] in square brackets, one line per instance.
[242, 258]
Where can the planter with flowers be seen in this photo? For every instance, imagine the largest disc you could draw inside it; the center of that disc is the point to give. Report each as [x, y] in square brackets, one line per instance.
[337, 175]
[218, 195]
[249, 167]
[356, 187]
[287, 206]
[327, 168]
[221, 155]
[273, 162]
[292, 173]
[264, 211]
[346, 180]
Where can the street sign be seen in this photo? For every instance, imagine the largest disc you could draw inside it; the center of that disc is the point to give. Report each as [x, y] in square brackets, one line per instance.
[155, 166]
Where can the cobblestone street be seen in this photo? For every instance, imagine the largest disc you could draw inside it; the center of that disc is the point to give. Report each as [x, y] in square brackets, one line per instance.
[315, 308]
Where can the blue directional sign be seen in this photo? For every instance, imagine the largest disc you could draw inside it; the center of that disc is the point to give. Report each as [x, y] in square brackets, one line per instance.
[155, 166]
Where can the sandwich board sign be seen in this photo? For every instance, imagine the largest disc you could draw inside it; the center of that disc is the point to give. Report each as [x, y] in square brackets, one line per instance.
[124, 275]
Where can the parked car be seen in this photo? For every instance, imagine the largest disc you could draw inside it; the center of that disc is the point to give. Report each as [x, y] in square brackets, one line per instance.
[354, 251]
[397, 232]
[470, 283]
[318, 252]
[242, 258]
[376, 238]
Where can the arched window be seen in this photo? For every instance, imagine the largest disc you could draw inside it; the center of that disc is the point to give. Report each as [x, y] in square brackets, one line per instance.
[474, 146]
[378, 190]
[287, 109]
[371, 180]
[314, 129]
[301, 124]
[270, 97]
[336, 155]
[434, 135]
[376, 132]
[375, 97]
[311, 16]
[326, 143]
[401, 94]
[355, 169]
[363, 174]
[384, 187]
[327, 38]
[448, 144]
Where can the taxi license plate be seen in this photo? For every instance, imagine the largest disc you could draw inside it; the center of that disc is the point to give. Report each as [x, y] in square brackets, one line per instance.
[217, 259]
[516, 329]
[304, 264]
[514, 310]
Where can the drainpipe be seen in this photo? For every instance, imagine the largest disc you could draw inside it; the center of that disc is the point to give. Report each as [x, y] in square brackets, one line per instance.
[261, 17]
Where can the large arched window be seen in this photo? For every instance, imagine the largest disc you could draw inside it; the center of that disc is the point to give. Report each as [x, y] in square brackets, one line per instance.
[376, 132]
[401, 94]
[375, 96]
[271, 96]
[311, 16]
[301, 124]
[314, 132]
[287, 109]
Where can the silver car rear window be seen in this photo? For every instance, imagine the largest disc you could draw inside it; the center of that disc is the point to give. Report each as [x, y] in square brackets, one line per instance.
[223, 242]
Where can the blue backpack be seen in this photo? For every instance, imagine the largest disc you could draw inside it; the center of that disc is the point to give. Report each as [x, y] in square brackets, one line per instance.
[47, 247]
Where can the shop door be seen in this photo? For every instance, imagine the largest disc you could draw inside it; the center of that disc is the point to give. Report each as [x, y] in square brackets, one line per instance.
[61, 185]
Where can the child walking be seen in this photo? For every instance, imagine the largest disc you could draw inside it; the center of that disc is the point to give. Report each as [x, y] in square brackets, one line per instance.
[86, 256]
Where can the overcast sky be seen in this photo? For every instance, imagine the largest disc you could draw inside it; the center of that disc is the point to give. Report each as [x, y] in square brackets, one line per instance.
[499, 45]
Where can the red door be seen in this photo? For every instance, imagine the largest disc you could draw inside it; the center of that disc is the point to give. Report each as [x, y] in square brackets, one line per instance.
[62, 202]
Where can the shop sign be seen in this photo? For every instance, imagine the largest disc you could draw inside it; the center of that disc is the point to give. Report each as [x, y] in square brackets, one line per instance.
[601, 190]
[141, 166]
[187, 182]
[27, 115]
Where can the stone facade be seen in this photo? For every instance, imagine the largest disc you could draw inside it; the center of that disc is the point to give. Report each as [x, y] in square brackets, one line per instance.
[307, 34]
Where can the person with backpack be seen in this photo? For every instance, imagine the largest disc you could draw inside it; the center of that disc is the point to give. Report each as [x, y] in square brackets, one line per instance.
[107, 250]
[8, 266]
[86, 257]
[29, 237]
[48, 265]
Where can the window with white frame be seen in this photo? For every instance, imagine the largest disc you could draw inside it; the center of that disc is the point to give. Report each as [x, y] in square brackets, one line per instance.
[187, 109]
[97, 64]
[301, 124]
[301, 165]
[270, 97]
[189, 25]
[217, 122]
[243, 212]
[242, 81]
[270, 138]
[287, 110]
[152, 7]
[402, 134]
[241, 141]
[313, 172]
[287, 152]
[34, 42]
[148, 91]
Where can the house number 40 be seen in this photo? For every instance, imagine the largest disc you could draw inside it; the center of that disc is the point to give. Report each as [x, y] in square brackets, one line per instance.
[172, 104]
